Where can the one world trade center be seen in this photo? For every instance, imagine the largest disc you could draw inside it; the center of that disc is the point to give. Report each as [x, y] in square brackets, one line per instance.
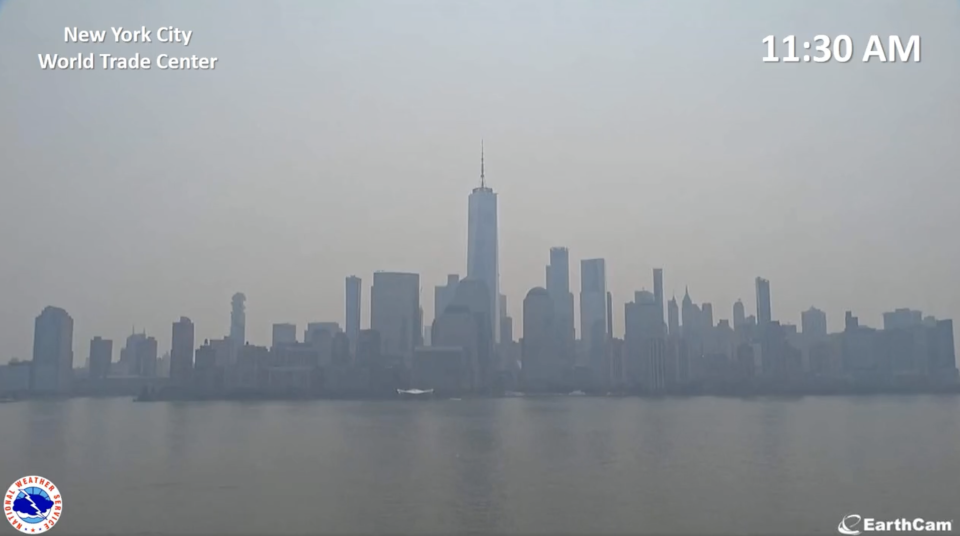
[483, 260]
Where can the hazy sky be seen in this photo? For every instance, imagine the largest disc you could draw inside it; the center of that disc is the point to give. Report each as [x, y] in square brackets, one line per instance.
[339, 138]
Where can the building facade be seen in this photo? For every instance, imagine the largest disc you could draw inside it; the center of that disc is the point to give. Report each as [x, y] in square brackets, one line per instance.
[101, 357]
[181, 352]
[593, 311]
[352, 300]
[395, 313]
[52, 365]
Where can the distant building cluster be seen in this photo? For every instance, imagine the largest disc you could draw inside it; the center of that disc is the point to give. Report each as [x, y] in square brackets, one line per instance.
[470, 347]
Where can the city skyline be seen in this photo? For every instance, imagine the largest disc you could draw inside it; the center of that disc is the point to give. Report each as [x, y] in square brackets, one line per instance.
[354, 292]
[485, 267]
[361, 161]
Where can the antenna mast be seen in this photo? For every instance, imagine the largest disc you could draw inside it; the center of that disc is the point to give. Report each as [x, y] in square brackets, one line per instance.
[482, 178]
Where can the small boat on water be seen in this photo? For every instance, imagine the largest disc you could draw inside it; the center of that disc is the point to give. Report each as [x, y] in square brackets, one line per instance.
[578, 393]
[415, 394]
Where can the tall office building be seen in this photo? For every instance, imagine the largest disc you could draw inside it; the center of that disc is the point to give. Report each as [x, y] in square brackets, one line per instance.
[139, 356]
[902, 318]
[148, 357]
[181, 352]
[473, 297]
[52, 366]
[706, 315]
[368, 348]
[689, 315]
[238, 324]
[558, 287]
[739, 316]
[319, 336]
[593, 309]
[541, 367]
[942, 349]
[443, 294]
[813, 323]
[395, 313]
[506, 322]
[284, 334]
[673, 317]
[506, 337]
[101, 355]
[645, 362]
[317, 330]
[482, 244]
[764, 315]
[609, 315]
[352, 318]
[457, 327]
[658, 289]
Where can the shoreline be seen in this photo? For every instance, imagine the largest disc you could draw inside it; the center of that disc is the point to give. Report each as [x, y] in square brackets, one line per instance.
[951, 390]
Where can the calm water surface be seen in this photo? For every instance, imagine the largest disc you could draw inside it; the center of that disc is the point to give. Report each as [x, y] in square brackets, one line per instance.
[510, 466]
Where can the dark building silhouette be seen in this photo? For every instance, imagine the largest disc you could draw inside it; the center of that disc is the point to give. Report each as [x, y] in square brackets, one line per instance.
[368, 348]
[902, 318]
[764, 315]
[284, 334]
[860, 349]
[609, 315]
[644, 344]
[739, 316]
[441, 368]
[706, 316]
[138, 357]
[558, 286]
[458, 327]
[181, 352]
[472, 295]
[813, 323]
[147, 357]
[52, 366]
[101, 356]
[943, 359]
[850, 322]
[353, 292]
[444, 294]
[658, 290]
[208, 373]
[541, 366]
[593, 313]
[673, 316]
[340, 352]
[395, 313]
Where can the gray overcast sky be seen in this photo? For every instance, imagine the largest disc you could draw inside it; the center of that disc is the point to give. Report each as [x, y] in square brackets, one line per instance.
[339, 138]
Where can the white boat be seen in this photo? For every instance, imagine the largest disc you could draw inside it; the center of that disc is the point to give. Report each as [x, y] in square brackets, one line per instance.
[415, 393]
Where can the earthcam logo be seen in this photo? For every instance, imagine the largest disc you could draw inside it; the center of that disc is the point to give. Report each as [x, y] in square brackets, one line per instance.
[33, 505]
[852, 525]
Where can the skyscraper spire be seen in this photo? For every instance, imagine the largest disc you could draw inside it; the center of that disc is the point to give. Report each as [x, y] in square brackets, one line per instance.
[482, 178]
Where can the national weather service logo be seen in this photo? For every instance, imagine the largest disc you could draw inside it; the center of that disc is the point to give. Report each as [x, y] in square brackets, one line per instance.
[33, 505]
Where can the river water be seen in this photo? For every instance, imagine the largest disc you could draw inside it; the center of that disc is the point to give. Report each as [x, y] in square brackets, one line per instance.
[563, 465]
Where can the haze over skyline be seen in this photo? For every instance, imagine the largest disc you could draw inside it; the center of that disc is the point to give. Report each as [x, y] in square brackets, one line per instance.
[340, 138]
